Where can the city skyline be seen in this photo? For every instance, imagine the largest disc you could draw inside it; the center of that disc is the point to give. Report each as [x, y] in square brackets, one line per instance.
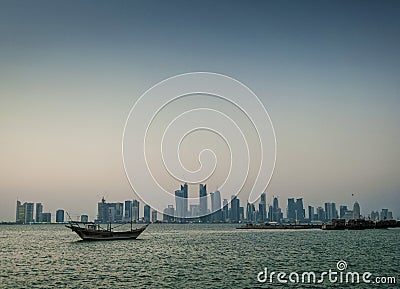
[204, 203]
[271, 212]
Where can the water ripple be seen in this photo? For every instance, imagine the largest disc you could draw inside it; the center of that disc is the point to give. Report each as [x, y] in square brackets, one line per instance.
[184, 256]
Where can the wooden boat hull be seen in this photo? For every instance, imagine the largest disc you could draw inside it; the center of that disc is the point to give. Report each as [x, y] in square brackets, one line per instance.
[98, 235]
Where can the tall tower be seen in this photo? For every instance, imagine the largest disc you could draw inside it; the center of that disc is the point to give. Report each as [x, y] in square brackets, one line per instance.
[128, 210]
[20, 213]
[29, 207]
[343, 210]
[216, 206]
[277, 214]
[300, 212]
[328, 212]
[102, 211]
[250, 212]
[154, 216]
[225, 210]
[181, 201]
[310, 214]
[203, 200]
[39, 211]
[291, 210]
[235, 209]
[275, 203]
[262, 207]
[146, 214]
[179, 196]
[356, 211]
[184, 189]
[135, 210]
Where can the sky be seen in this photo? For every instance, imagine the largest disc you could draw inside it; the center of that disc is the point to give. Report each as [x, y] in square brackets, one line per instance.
[328, 72]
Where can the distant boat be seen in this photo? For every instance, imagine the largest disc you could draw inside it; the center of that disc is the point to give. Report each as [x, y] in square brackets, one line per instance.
[91, 231]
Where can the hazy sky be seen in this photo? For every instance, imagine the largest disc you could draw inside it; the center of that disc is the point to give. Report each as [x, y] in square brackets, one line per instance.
[327, 71]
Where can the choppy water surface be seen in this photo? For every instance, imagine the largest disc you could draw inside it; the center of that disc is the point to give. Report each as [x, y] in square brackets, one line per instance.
[189, 256]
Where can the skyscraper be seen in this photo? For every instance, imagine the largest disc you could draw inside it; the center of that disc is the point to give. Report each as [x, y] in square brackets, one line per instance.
[181, 202]
[300, 212]
[39, 211]
[334, 211]
[154, 216]
[384, 214]
[241, 213]
[374, 216]
[276, 214]
[119, 209]
[235, 209]
[146, 212]
[216, 216]
[291, 210]
[343, 210]
[225, 210]
[29, 207]
[203, 200]
[102, 211]
[262, 207]
[135, 210]
[128, 210]
[275, 203]
[115, 212]
[330, 211]
[20, 213]
[109, 212]
[356, 211]
[250, 212]
[184, 189]
[310, 213]
[295, 210]
[60, 216]
[270, 213]
[320, 214]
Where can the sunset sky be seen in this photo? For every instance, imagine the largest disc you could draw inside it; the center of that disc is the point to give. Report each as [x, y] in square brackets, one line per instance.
[328, 73]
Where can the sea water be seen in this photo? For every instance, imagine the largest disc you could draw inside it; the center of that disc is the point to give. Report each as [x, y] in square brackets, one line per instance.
[193, 256]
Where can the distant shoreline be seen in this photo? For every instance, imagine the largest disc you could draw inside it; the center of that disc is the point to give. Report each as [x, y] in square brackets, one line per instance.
[32, 224]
